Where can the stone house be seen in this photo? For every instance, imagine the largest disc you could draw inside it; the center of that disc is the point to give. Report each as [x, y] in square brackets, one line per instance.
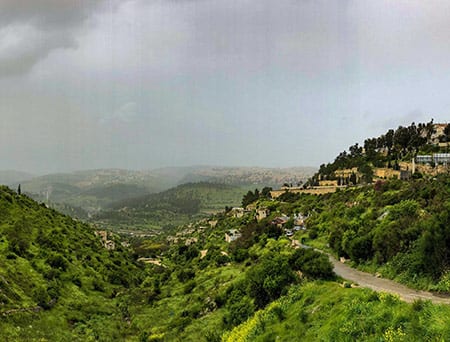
[232, 235]
[262, 213]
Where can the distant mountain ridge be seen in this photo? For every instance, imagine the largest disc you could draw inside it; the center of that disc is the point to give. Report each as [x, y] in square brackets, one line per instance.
[83, 193]
[250, 175]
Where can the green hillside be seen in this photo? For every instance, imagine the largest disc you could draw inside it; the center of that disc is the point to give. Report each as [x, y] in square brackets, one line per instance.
[388, 150]
[171, 208]
[260, 288]
[400, 228]
[319, 311]
[57, 281]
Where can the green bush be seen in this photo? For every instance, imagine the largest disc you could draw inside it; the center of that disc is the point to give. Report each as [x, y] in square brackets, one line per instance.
[268, 279]
[311, 263]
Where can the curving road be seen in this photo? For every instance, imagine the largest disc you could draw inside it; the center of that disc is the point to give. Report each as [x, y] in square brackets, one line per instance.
[368, 280]
[385, 285]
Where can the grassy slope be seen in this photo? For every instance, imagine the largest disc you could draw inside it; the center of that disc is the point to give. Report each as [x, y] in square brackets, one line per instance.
[181, 298]
[397, 228]
[51, 263]
[324, 311]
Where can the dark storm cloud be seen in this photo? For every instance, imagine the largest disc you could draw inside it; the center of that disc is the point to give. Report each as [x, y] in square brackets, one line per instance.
[30, 30]
[47, 14]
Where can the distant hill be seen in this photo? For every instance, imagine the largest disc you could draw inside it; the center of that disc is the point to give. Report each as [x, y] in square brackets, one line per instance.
[237, 176]
[12, 177]
[91, 179]
[171, 207]
[85, 193]
[257, 176]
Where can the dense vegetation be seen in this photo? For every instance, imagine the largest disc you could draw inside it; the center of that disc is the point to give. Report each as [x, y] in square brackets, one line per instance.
[400, 228]
[208, 287]
[254, 281]
[57, 281]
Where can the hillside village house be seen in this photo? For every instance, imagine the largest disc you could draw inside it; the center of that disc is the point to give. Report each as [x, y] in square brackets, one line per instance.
[232, 235]
[237, 212]
[345, 173]
[191, 241]
[438, 132]
[108, 244]
[280, 221]
[425, 159]
[213, 223]
[250, 207]
[262, 213]
[299, 220]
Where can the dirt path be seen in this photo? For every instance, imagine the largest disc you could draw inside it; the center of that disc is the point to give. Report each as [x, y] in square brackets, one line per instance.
[384, 285]
[16, 311]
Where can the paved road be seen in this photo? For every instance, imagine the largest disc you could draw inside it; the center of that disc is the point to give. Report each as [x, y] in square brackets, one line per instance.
[368, 280]
[384, 285]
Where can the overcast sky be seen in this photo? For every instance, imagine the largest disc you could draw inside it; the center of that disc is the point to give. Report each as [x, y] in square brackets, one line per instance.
[144, 84]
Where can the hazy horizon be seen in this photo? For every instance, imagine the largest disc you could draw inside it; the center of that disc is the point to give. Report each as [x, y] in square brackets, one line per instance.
[141, 85]
[156, 169]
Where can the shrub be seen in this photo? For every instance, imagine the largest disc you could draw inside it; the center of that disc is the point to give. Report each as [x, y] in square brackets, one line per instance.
[313, 264]
[267, 280]
[239, 311]
[185, 274]
[190, 285]
[42, 298]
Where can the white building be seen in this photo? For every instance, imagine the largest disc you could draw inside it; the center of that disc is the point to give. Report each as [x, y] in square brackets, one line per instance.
[232, 235]
[437, 158]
